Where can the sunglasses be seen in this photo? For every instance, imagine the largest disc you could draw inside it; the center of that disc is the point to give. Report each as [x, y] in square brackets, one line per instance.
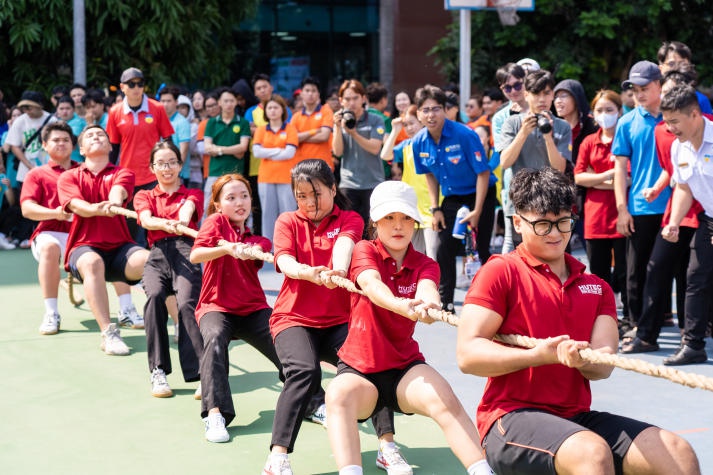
[133, 84]
[509, 88]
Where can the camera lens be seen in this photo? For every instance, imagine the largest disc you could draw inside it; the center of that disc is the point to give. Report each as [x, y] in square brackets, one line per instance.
[543, 124]
[349, 119]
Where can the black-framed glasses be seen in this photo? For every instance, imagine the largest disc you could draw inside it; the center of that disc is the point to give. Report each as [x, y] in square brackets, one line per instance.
[543, 227]
[133, 84]
[508, 88]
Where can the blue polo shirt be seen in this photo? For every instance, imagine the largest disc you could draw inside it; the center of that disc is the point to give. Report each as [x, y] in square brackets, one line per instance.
[455, 161]
[634, 138]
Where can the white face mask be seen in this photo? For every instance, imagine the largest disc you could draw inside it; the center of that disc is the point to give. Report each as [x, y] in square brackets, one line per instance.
[606, 121]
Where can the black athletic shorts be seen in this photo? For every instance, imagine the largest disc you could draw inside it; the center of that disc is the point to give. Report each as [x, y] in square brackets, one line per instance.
[526, 441]
[115, 261]
[386, 383]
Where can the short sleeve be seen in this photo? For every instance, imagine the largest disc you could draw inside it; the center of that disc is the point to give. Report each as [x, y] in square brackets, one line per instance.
[196, 197]
[352, 226]
[210, 232]
[510, 128]
[292, 135]
[490, 286]
[584, 155]
[142, 202]
[364, 257]
[621, 146]
[126, 179]
[259, 137]
[284, 237]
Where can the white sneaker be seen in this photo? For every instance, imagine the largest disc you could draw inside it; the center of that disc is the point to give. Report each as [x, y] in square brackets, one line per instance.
[390, 459]
[277, 466]
[198, 395]
[50, 324]
[112, 344]
[130, 318]
[159, 385]
[5, 244]
[319, 416]
[215, 428]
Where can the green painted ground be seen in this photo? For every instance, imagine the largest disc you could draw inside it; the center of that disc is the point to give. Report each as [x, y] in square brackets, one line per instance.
[70, 409]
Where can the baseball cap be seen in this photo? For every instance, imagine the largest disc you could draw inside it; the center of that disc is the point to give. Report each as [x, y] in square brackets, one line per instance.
[641, 74]
[31, 98]
[393, 197]
[131, 73]
[529, 64]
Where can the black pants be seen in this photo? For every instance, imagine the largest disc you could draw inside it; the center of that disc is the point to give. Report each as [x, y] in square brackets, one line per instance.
[301, 349]
[168, 271]
[638, 251]
[700, 285]
[449, 247]
[599, 252]
[359, 200]
[666, 258]
[218, 329]
[485, 225]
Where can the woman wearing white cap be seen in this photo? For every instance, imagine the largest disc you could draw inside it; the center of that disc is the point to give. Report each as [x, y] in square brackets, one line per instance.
[380, 363]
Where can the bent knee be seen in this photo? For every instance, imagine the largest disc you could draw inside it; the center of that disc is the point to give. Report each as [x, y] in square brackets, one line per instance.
[583, 451]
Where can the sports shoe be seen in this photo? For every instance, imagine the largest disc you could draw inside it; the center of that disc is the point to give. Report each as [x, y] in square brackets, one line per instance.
[277, 466]
[319, 416]
[25, 244]
[159, 385]
[215, 428]
[50, 324]
[5, 244]
[130, 318]
[198, 395]
[112, 344]
[390, 459]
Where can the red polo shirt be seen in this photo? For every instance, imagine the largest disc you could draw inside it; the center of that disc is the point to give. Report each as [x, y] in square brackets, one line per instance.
[379, 339]
[230, 285]
[137, 133]
[40, 186]
[599, 205]
[322, 116]
[102, 232]
[533, 302]
[302, 303]
[164, 205]
[664, 140]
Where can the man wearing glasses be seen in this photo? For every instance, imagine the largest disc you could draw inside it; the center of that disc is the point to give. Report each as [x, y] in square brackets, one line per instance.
[134, 126]
[535, 415]
[454, 162]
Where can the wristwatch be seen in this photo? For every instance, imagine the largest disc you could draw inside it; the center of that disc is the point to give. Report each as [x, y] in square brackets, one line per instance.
[437, 208]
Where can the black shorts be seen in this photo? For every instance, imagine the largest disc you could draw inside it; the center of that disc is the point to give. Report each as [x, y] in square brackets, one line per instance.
[115, 261]
[526, 440]
[386, 383]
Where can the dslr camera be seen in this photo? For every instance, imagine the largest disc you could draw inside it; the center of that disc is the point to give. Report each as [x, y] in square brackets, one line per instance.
[543, 124]
[349, 118]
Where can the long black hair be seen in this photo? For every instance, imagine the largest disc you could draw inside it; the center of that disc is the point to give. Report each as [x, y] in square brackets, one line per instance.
[316, 169]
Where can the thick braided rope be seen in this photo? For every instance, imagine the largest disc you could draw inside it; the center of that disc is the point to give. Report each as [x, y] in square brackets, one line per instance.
[127, 213]
[592, 356]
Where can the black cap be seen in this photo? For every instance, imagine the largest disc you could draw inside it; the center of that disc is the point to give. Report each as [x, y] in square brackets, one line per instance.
[31, 98]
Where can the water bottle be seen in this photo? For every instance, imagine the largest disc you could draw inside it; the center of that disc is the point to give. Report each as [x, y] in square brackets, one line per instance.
[472, 266]
[459, 228]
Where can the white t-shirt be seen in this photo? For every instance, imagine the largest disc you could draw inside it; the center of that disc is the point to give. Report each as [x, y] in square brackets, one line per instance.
[22, 129]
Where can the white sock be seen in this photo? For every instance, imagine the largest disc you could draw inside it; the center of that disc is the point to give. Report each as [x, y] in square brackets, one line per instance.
[278, 456]
[125, 301]
[480, 468]
[51, 305]
[387, 445]
[351, 470]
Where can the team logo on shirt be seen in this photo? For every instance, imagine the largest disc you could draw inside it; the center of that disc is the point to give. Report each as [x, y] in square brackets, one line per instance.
[454, 159]
[318, 115]
[283, 134]
[407, 289]
[423, 154]
[453, 148]
[148, 119]
[334, 233]
[706, 158]
[236, 129]
[478, 156]
[380, 130]
[594, 289]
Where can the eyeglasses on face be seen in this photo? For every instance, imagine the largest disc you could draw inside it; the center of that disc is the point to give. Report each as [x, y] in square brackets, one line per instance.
[166, 165]
[543, 227]
[133, 84]
[508, 88]
[429, 110]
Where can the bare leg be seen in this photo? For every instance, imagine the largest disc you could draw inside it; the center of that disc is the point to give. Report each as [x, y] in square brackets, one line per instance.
[349, 398]
[656, 451]
[584, 453]
[48, 270]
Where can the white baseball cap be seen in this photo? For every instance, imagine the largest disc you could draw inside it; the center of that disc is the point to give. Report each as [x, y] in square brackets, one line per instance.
[393, 197]
[530, 64]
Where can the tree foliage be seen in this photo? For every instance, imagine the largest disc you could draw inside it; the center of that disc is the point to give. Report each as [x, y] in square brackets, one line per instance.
[592, 41]
[179, 41]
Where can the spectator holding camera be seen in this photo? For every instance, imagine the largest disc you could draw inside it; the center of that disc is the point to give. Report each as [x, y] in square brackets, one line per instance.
[534, 139]
[358, 136]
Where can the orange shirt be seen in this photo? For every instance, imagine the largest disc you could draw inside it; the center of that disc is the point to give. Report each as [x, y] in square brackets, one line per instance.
[199, 137]
[276, 171]
[303, 122]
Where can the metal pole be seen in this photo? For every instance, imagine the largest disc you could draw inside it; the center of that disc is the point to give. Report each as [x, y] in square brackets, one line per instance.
[80, 50]
[464, 57]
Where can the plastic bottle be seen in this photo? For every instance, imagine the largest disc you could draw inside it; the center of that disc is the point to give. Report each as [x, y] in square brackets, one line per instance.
[459, 229]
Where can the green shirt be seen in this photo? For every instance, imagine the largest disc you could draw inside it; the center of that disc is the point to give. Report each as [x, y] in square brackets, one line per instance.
[226, 135]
